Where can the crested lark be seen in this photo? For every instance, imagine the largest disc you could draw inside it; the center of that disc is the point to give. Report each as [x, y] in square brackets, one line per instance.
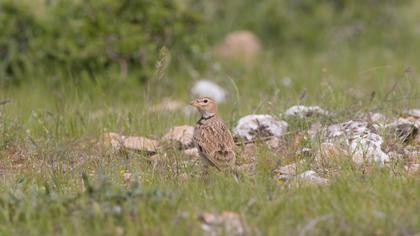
[212, 138]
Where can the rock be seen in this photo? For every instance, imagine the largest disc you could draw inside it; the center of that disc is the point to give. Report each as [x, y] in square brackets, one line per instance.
[374, 117]
[414, 113]
[406, 132]
[182, 136]
[118, 142]
[377, 120]
[242, 46]
[301, 111]
[377, 117]
[192, 152]
[405, 129]
[404, 152]
[368, 146]
[412, 168]
[360, 141]
[409, 117]
[276, 143]
[289, 170]
[412, 152]
[395, 155]
[311, 177]
[278, 146]
[168, 105]
[113, 140]
[207, 88]
[252, 127]
[226, 223]
[308, 177]
[140, 143]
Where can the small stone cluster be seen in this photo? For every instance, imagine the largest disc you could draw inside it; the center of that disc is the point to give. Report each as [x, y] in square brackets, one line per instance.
[361, 140]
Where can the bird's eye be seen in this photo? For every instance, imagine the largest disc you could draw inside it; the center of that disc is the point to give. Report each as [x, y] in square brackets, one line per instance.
[205, 101]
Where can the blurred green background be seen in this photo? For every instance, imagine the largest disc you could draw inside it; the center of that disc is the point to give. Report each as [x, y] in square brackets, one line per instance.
[74, 57]
[109, 39]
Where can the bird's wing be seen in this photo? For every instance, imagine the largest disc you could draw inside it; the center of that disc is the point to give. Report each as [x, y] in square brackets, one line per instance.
[215, 142]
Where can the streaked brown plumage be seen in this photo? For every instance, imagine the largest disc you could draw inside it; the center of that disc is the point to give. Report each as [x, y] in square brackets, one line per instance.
[212, 138]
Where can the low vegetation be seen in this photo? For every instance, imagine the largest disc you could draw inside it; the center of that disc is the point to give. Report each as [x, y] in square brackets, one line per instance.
[61, 91]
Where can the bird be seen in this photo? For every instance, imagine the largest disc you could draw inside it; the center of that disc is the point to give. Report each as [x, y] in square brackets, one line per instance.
[212, 138]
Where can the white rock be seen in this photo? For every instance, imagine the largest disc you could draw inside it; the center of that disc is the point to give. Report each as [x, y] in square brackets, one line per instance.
[361, 142]
[368, 147]
[378, 120]
[311, 177]
[253, 126]
[414, 123]
[301, 111]
[406, 153]
[182, 135]
[403, 121]
[376, 117]
[207, 88]
[192, 152]
[276, 143]
[413, 113]
[290, 169]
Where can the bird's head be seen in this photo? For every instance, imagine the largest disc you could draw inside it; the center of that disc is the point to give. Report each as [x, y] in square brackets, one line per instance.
[205, 105]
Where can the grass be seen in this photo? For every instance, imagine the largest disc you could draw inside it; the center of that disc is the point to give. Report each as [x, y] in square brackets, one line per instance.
[56, 181]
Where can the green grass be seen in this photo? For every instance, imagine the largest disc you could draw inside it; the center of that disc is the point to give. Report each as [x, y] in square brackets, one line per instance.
[49, 132]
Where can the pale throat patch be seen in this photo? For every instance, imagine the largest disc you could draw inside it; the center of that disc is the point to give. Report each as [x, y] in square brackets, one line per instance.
[207, 114]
